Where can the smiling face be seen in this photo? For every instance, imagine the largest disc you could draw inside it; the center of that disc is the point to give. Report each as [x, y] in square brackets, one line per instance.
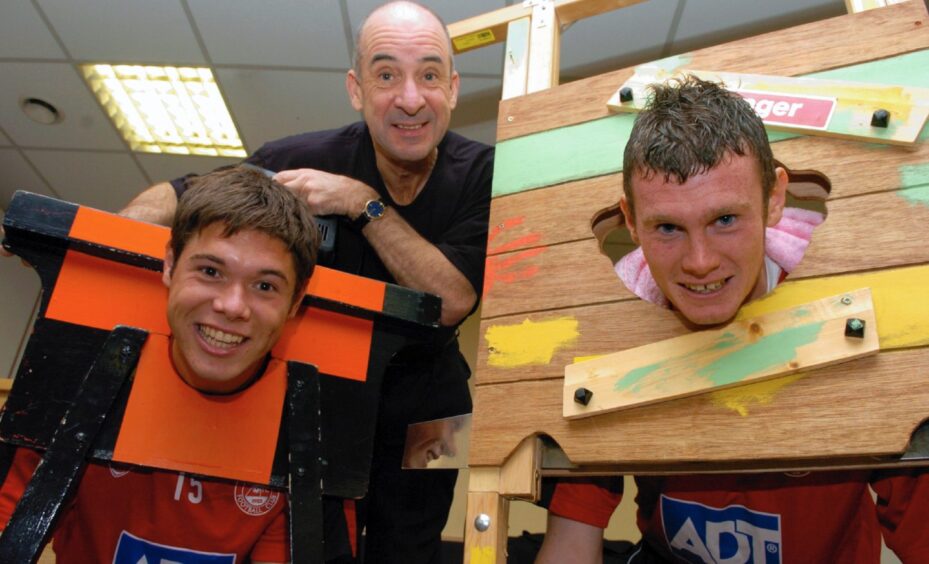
[228, 300]
[404, 85]
[704, 239]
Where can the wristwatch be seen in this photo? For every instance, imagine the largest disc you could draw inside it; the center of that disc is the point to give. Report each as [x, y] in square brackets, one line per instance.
[373, 210]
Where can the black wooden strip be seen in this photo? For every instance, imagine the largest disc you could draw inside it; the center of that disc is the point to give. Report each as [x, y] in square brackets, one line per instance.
[306, 499]
[57, 476]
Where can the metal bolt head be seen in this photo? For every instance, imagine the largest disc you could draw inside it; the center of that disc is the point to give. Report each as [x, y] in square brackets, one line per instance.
[301, 471]
[482, 522]
[582, 396]
[80, 436]
[854, 328]
[847, 300]
[625, 94]
[880, 118]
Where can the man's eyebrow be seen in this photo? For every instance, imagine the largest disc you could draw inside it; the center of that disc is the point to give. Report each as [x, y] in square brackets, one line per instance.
[432, 59]
[263, 272]
[208, 257]
[378, 57]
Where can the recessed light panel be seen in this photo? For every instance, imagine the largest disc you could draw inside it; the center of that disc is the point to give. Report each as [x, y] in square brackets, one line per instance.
[176, 110]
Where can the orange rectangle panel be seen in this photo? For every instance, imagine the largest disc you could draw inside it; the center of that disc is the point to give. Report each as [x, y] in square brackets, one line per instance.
[347, 288]
[172, 426]
[337, 344]
[119, 232]
[102, 293]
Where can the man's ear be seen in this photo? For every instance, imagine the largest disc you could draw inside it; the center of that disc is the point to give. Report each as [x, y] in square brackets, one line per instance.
[297, 301]
[353, 86]
[778, 197]
[627, 217]
[453, 90]
[168, 265]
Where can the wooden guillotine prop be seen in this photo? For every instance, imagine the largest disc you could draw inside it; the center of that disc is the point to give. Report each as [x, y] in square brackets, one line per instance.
[99, 347]
[552, 300]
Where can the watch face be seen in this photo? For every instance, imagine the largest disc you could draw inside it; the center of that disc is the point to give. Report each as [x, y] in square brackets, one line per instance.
[375, 209]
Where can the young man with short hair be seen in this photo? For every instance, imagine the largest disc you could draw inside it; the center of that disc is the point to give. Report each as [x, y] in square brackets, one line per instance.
[241, 252]
[700, 188]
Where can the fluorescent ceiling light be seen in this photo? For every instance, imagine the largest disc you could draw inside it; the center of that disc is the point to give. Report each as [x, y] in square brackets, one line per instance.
[176, 110]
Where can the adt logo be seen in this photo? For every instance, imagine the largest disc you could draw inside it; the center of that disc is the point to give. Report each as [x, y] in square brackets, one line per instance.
[133, 550]
[732, 535]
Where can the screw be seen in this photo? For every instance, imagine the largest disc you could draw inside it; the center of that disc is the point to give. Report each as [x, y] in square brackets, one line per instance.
[510, 119]
[126, 350]
[625, 94]
[847, 300]
[880, 118]
[582, 396]
[482, 522]
[854, 327]
[301, 471]
[299, 384]
[80, 436]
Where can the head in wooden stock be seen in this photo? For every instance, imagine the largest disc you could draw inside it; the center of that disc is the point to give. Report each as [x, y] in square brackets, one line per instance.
[241, 252]
[700, 186]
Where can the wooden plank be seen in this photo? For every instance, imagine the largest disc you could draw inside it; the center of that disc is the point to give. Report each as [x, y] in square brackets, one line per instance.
[488, 546]
[516, 60]
[839, 109]
[539, 345]
[491, 27]
[804, 49]
[535, 278]
[544, 47]
[867, 407]
[520, 476]
[595, 148]
[563, 213]
[745, 351]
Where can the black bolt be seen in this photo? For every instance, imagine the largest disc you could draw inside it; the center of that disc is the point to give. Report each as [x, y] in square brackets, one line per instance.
[126, 350]
[625, 94]
[80, 436]
[854, 327]
[582, 396]
[299, 384]
[301, 471]
[880, 118]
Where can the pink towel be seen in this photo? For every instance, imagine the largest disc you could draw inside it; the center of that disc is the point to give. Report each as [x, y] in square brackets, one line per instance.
[785, 244]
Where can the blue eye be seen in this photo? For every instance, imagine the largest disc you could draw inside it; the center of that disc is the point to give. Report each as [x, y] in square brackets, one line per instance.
[667, 228]
[726, 220]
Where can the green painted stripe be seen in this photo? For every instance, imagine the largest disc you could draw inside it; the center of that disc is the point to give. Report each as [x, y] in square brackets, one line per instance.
[595, 148]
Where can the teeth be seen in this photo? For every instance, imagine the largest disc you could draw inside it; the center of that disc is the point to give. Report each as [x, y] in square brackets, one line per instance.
[218, 338]
[704, 288]
[409, 127]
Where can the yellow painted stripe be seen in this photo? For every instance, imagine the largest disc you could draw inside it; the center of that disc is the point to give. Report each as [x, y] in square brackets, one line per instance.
[529, 342]
[899, 297]
[483, 555]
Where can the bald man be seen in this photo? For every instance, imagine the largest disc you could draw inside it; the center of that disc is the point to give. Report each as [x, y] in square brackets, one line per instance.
[413, 200]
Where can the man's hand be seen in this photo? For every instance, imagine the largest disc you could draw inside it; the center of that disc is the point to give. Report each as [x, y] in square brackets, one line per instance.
[327, 194]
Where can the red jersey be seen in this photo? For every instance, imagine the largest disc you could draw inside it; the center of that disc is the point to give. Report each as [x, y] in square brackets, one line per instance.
[122, 515]
[768, 518]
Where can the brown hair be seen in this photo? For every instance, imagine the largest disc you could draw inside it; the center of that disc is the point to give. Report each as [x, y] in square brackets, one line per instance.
[687, 127]
[241, 198]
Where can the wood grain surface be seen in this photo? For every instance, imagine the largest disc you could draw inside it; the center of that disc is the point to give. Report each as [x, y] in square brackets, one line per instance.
[817, 46]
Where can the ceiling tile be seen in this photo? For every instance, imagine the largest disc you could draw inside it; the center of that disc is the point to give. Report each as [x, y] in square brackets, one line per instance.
[167, 167]
[106, 181]
[617, 39]
[84, 124]
[18, 175]
[711, 22]
[279, 32]
[155, 31]
[488, 60]
[24, 34]
[268, 104]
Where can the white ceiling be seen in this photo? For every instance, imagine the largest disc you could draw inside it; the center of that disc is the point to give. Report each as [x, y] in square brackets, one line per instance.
[280, 65]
